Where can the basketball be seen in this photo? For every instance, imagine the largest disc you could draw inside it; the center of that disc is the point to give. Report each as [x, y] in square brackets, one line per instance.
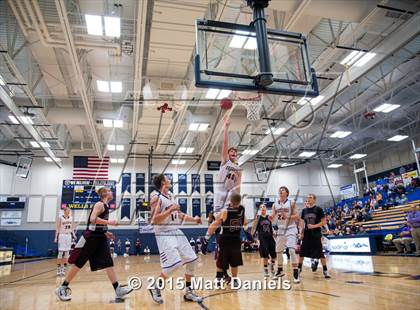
[226, 103]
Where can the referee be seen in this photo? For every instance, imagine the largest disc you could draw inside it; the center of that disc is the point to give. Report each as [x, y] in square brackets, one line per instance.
[312, 219]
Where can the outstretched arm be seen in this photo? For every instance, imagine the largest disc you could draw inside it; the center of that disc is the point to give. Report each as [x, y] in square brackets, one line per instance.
[225, 148]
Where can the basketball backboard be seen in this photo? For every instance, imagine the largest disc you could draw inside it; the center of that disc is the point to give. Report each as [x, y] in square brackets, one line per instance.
[227, 57]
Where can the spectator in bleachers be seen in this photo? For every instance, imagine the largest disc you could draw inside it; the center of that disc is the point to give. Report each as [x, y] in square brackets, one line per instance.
[404, 240]
[402, 200]
[413, 220]
[366, 216]
[362, 231]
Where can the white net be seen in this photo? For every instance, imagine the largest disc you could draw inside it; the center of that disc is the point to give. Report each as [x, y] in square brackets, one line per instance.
[253, 107]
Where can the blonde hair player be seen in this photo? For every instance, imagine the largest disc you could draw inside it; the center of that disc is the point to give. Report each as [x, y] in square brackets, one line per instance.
[285, 215]
[228, 181]
[63, 236]
[174, 248]
[312, 220]
[93, 247]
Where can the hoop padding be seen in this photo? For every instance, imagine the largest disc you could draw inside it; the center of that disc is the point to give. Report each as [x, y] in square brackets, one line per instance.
[253, 108]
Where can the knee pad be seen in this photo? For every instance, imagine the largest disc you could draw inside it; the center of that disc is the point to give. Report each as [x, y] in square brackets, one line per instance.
[293, 256]
[170, 270]
[190, 267]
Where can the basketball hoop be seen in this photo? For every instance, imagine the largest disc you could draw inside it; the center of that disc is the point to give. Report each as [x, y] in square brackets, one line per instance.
[253, 107]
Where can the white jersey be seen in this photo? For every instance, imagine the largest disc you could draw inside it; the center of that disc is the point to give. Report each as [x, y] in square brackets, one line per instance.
[284, 209]
[227, 180]
[65, 225]
[173, 221]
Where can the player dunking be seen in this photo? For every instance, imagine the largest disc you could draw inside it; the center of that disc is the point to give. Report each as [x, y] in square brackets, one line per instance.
[285, 216]
[231, 219]
[174, 248]
[262, 224]
[63, 236]
[93, 247]
[228, 181]
[313, 218]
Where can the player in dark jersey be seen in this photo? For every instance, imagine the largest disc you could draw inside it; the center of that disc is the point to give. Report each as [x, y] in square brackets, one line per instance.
[231, 220]
[93, 247]
[262, 224]
[312, 220]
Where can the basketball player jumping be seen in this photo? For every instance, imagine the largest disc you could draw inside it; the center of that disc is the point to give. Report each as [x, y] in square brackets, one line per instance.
[285, 216]
[262, 224]
[63, 236]
[93, 247]
[312, 219]
[228, 181]
[174, 248]
[231, 219]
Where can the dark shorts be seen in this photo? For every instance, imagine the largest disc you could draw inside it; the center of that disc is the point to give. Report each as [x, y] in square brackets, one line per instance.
[229, 253]
[311, 246]
[92, 247]
[268, 247]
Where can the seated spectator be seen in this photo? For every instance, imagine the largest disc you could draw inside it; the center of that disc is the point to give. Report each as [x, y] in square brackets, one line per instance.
[366, 216]
[378, 198]
[359, 216]
[413, 220]
[390, 203]
[404, 239]
[362, 231]
[347, 231]
[403, 200]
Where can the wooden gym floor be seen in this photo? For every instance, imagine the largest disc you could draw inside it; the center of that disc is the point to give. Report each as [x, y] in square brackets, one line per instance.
[357, 282]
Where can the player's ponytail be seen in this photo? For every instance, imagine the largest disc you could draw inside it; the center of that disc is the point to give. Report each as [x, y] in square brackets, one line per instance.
[102, 192]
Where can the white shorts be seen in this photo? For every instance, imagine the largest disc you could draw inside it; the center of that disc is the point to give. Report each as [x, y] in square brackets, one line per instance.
[288, 240]
[174, 248]
[221, 201]
[64, 242]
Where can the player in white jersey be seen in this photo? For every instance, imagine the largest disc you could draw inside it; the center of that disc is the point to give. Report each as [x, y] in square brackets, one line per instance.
[174, 248]
[228, 179]
[63, 236]
[285, 215]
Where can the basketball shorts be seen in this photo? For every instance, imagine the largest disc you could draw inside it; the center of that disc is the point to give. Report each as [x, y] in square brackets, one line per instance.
[229, 253]
[267, 247]
[311, 246]
[92, 247]
[64, 242]
[174, 248]
[288, 240]
[221, 201]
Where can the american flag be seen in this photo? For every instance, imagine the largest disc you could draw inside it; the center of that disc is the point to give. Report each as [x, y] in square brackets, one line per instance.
[90, 168]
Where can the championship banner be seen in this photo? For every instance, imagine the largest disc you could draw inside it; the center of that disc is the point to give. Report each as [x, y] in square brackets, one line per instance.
[208, 184]
[196, 206]
[209, 205]
[140, 183]
[125, 209]
[195, 183]
[151, 186]
[183, 204]
[81, 194]
[126, 183]
[182, 183]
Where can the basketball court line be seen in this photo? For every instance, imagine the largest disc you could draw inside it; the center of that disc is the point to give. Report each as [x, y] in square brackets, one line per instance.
[28, 277]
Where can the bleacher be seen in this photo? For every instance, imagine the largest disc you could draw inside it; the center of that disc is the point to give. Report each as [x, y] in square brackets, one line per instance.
[391, 219]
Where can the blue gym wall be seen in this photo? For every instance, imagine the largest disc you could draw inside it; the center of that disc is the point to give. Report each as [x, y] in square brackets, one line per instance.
[41, 242]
